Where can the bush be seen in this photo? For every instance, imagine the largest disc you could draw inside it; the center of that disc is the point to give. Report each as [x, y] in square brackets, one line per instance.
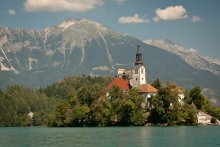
[213, 120]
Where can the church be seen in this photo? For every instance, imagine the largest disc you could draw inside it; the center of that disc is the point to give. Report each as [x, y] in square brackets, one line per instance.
[135, 78]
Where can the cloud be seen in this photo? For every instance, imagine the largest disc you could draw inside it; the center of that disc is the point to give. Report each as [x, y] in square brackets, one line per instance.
[132, 19]
[170, 13]
[61, 5]
[11, 11]
[195, 19]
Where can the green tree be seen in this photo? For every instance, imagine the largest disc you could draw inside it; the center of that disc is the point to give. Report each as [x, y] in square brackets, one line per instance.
[168, 109]
[81, 115]
[62, 115]
[157, 84]
[17, 102]
[88, 94]
[101, 112]
[38, 119]
[190, 115]
[213, 120]
[198, 99]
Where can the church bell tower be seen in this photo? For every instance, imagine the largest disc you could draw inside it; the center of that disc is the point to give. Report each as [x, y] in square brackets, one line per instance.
[138, 56]
[138, 72]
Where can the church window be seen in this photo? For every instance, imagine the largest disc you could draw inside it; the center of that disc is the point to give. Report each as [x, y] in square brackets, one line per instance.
[136, 71]
[142, 71]
[136, 79]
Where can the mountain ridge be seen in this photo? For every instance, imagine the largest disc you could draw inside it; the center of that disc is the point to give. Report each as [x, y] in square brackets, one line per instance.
[190, 56]
[36, 58]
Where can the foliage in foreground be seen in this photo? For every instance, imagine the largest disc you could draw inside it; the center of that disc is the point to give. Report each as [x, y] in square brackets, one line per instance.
[82, 101]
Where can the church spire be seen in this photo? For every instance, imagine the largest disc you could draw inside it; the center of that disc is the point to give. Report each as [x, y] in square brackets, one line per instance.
[138, 56]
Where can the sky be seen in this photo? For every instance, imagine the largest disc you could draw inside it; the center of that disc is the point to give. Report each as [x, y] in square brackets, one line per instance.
[189, 23]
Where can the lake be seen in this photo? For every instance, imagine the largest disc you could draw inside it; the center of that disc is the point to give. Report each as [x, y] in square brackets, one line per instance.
[111, 136]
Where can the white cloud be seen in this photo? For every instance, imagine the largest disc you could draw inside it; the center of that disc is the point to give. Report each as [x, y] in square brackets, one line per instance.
[61, 5]
[11, 11]
[132, 19]
[170, 13]
[195, 19]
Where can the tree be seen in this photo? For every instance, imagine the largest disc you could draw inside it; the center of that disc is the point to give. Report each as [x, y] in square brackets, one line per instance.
[63, 115]
[139, 118]
[135, 96]
[17, 102]
[157, 84]
[214, 111]
[213, 120]
[37, 119]
[125, 110]
[167, 109]
[198, 99]
[81, 115]
[88, 94]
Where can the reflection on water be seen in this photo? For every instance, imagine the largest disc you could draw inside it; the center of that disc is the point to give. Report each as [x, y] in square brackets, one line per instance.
[111, 136]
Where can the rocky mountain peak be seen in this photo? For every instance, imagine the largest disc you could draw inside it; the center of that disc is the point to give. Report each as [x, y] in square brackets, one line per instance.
[189, 55]
[67, 23]
[73, 22]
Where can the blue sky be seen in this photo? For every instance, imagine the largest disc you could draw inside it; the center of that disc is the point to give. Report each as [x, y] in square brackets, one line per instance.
[189, 23]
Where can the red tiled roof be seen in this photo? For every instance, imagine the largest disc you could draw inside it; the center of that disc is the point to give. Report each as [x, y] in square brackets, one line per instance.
[147, 88]
[119, 82]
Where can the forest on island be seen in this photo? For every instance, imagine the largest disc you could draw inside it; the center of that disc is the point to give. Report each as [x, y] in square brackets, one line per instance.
[82, 101]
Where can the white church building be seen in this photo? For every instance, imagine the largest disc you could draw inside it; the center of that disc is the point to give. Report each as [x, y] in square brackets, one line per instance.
[138, 72]
[135, 78]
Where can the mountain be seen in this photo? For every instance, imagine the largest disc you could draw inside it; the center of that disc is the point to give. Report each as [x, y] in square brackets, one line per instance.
[190, 56]
[194, 59]
[36, 58]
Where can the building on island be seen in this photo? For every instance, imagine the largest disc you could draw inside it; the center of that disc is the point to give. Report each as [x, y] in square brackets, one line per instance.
[147, 91]
[138, 72]
[180, 94]
[120, 83]
[135, 78]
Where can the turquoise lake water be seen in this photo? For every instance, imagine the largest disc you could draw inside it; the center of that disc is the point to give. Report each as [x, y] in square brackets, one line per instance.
[112, 136]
